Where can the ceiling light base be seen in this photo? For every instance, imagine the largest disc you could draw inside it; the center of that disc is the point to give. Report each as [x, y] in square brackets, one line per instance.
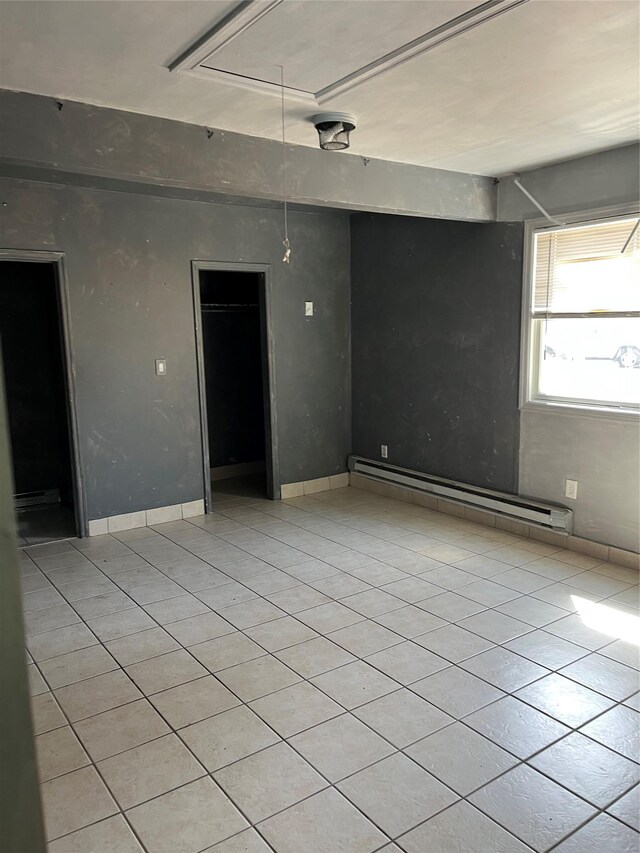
[333, 130]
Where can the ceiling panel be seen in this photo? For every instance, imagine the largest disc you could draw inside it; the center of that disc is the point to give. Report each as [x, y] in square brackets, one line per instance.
[318, 43]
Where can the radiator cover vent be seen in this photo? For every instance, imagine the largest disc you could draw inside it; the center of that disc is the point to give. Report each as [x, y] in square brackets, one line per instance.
[551, 516]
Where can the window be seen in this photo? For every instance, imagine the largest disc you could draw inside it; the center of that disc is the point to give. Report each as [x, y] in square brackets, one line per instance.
[583, 318]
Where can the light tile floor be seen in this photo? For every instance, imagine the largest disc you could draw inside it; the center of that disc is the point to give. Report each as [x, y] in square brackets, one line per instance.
[332, 673]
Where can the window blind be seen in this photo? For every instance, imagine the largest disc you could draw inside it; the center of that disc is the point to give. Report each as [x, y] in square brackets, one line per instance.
[583, 270]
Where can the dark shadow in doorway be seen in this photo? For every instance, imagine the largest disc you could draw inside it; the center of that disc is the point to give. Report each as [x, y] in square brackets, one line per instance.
[251, 486]
[38, 399]
[45, 524]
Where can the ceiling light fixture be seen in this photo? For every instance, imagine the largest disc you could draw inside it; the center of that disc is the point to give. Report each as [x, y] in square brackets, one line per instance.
[334, 129]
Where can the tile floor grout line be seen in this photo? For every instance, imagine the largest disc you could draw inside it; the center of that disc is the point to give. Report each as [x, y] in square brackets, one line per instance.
[617, 799]
[536, 627]
[370, 619]
[405, 639]
[209, 773]
[401, 686]
[93, 764]
[245, 704]
[407, 687]
[427, 572]
[485, 814]
[333, 640]
[282, 739]
[478, 528]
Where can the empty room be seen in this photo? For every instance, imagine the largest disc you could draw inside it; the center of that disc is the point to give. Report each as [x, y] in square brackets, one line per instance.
[320, 426]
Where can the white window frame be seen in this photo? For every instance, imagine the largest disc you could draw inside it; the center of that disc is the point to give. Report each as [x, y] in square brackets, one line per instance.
[528, 358]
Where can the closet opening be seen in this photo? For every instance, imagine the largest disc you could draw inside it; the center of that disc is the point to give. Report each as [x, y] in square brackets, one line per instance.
[38, 383]
[235, 386]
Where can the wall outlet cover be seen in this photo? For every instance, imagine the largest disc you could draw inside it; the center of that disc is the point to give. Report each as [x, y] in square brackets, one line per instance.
[571, 489]
[384, 452]
[308, 309]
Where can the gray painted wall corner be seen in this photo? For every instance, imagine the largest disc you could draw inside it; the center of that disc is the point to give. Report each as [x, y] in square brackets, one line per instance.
[436, 319]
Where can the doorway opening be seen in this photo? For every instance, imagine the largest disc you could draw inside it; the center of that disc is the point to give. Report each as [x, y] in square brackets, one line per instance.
[36, 375]
[235, 381]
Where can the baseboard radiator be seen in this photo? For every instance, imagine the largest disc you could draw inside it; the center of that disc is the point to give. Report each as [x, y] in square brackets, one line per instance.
[551, 516]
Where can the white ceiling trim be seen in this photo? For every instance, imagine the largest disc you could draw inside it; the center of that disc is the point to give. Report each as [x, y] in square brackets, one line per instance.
[193, 60]
[244, 15]
[252, 85]
[198, 58]
[467, 21]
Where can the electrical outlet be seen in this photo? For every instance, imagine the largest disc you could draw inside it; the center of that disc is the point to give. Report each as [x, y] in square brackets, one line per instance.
[161, 367]
[308, 309]
[383, 451]
[571, 489]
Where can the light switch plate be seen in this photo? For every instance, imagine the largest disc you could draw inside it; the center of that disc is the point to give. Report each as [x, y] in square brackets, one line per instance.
[308, 309]
[161, 367]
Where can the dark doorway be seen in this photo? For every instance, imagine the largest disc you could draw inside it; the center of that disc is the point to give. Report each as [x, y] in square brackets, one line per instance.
[31, 334]
[236, 381]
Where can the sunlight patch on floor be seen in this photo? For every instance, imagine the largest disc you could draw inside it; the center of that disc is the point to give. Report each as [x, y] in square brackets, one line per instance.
[608, 620]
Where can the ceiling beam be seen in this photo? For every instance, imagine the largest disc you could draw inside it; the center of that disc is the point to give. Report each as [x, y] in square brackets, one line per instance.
[604, 179]
[74, 138]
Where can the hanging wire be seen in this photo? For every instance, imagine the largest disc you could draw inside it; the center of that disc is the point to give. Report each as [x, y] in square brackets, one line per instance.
[287, 245]
[552, 219]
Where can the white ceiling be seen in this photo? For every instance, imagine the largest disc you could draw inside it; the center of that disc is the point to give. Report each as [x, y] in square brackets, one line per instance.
[545, 81]
[318, 48]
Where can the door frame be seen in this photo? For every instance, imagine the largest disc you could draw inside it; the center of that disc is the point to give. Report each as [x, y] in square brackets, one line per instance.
[57, 260]
[268, 376]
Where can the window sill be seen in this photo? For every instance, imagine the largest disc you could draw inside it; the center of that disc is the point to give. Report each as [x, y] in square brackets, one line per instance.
[581, 411]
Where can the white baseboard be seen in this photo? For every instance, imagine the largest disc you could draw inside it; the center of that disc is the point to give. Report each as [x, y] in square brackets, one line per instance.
[145, 518]
[312, 487]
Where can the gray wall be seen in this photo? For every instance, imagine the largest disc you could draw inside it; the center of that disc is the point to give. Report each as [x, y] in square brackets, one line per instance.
[435, 338]
[602, 454]
[128, 266]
